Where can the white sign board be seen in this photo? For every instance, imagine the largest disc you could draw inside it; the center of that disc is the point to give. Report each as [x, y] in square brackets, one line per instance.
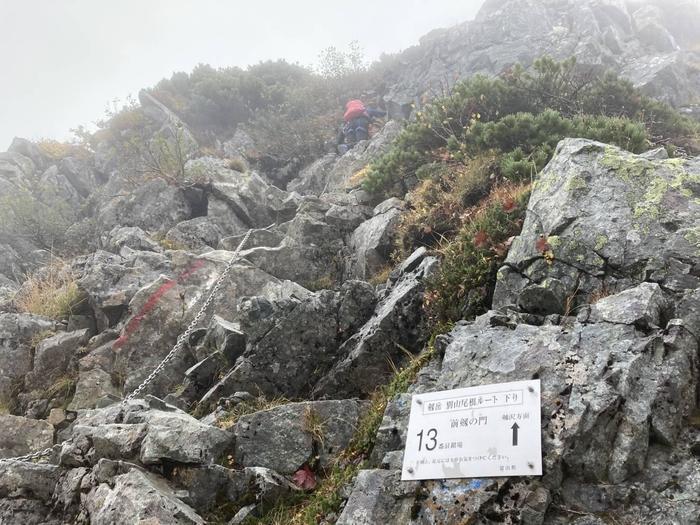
[483, 431]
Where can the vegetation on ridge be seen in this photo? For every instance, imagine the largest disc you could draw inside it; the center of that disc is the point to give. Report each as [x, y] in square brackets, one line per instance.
[465, 164]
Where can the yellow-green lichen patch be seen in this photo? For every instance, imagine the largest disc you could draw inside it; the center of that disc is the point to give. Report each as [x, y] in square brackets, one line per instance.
[692, 235]
[600, 242]
[575, 183]
[649, 206]
[554, 241]
[630, 168]
[544, 181]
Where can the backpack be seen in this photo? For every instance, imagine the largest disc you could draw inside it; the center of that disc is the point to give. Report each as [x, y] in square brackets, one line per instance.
[354, 109]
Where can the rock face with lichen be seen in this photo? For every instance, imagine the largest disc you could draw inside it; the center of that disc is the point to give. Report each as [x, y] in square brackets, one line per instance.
[601, 220]
[283, 380]
[653, 43]
[599, 299]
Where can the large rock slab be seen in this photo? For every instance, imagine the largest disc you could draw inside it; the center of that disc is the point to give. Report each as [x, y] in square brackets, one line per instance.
[52, 357]
[29, 479]
[111, 280]
[379, 496]
[645, 306]
[161, 311]
[244, 198]
[138, 497]
[16, 334]
[207, 484]
[605, 219]
[97, 377]
[155, 206]
[396, 327]
[130, 236]
[293, 343]
[284, 438]
[372, 242]
[148, 431]
[20, 436]
[607, 388]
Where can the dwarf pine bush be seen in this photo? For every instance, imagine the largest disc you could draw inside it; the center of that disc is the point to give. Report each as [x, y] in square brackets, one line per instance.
[468, 158]
[522, 115]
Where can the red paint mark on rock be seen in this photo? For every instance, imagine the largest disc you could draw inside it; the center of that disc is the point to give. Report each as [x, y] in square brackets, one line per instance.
[152, 301]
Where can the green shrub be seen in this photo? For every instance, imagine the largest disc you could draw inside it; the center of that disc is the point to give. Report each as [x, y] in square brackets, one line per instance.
[41, 216]
[522, 115]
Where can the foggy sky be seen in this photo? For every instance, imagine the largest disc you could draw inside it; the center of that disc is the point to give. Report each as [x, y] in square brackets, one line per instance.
[64, 60]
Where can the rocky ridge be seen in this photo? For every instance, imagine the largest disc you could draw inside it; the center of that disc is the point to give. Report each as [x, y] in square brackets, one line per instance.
[653, 44]
[598, 299]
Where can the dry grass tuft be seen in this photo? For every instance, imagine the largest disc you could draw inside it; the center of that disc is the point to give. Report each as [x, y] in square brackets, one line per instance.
[249, 407]
[51, 291]
[314, 425]
[381, 276]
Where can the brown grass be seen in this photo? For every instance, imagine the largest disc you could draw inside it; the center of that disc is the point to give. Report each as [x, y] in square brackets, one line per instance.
[600, 293]
[249, 407]
[381, 276]
[51, 291]
[60, 150]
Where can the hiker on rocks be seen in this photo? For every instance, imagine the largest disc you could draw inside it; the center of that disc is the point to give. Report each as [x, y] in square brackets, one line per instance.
[357, 119]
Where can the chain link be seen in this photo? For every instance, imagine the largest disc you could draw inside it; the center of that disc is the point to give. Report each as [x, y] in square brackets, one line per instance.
[182, 338]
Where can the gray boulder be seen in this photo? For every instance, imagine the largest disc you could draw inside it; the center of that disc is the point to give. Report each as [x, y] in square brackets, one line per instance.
[16, 171]
[97, 376]
[28, 479]
[285, 438]
[396, 327]
[30, 150]
[131, 237]
[52, 357]
[253, 486]
[379, 496]
[16, 334]
[55, 187]
[240, 145]
[243, 197]
[138, 497]
[26, 490]
[313, 179]
[372, 242]
[604, 219]
[645, 306]
[10, 263]
[183, 297]
[198, 235]
[148, 431]
[80, 173]
[20, 436]
[111, 281]
[293, 343]
[605, 389]
[310, 252]
[155, 206]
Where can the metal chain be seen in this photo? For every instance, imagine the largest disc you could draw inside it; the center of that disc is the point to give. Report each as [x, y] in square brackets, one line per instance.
[173, 352]
[193, 325]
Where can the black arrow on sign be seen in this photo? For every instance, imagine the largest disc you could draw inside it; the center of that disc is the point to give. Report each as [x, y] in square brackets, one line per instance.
[515, 428]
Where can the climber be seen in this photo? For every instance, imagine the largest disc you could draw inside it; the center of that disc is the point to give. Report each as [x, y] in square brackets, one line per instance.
[357, 119]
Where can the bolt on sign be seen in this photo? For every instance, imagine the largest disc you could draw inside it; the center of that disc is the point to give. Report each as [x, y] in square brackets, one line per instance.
[482, 431]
